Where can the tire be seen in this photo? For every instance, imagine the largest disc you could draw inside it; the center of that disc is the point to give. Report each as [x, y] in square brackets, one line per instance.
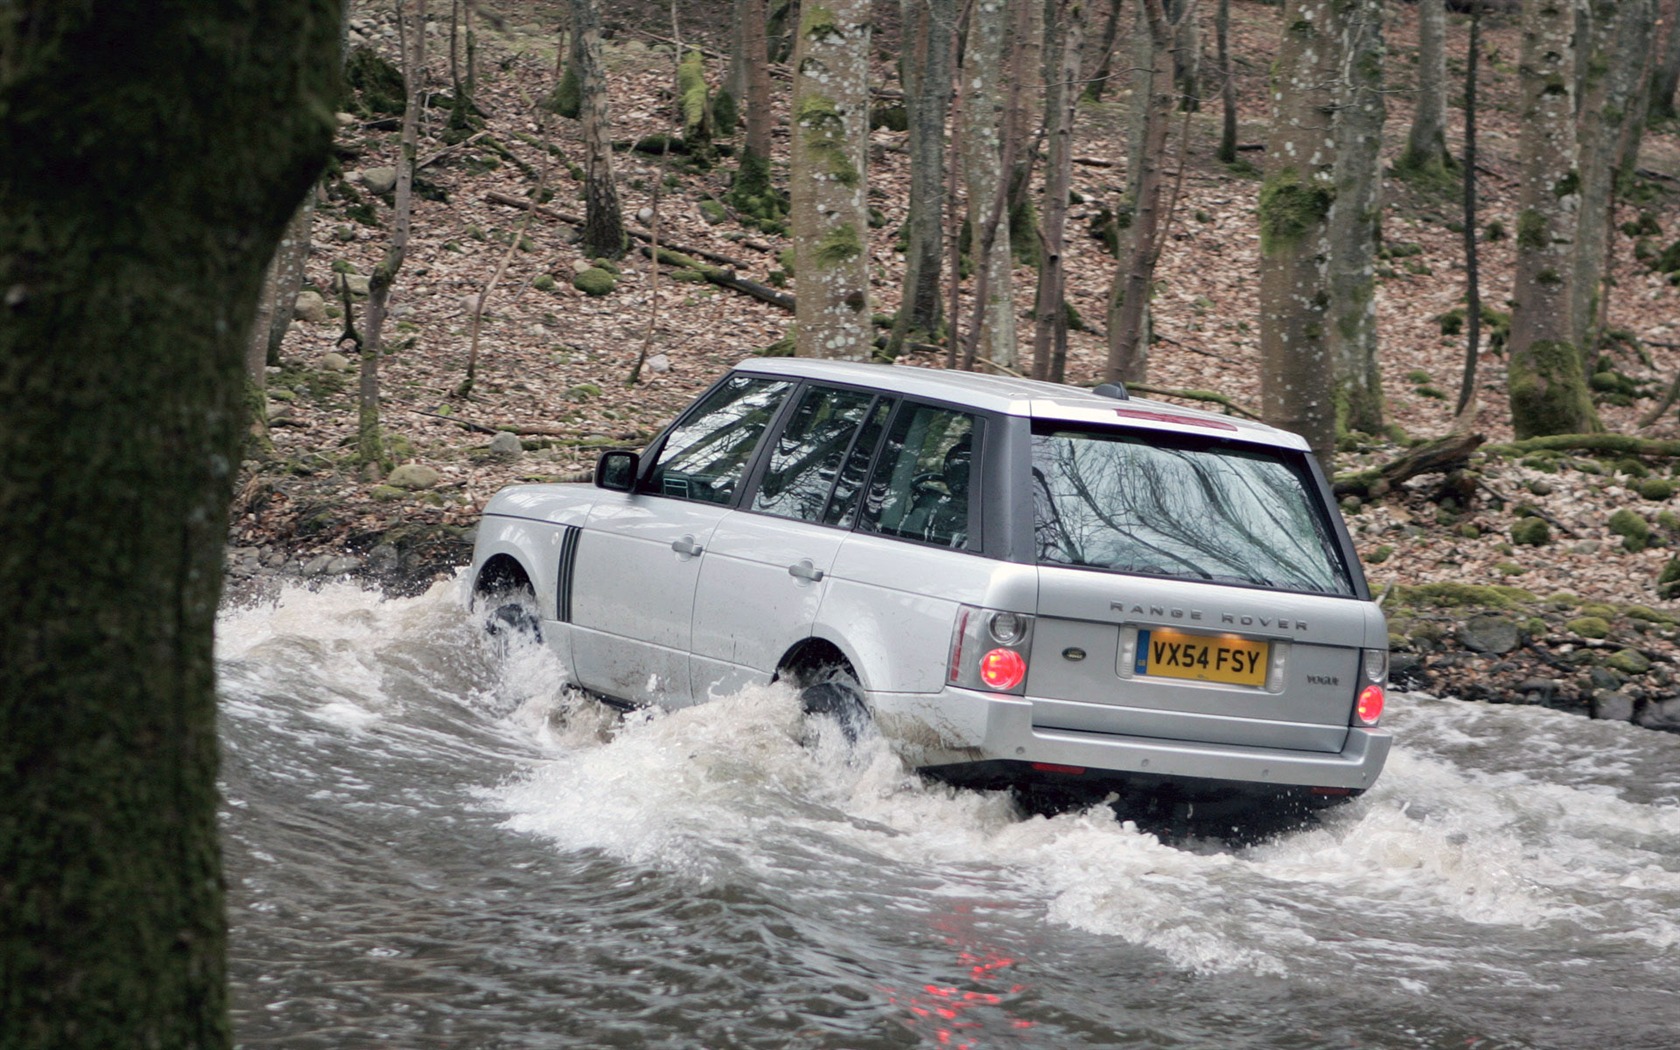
[835, 695]
[513, 616]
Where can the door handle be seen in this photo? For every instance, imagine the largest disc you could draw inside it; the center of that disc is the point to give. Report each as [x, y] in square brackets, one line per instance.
[805, 571]
[687, 546]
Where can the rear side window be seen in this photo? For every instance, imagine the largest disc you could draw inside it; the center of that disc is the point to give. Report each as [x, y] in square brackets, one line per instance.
[920, 488]
[806, 458]
[1198, 510]
[708, 450]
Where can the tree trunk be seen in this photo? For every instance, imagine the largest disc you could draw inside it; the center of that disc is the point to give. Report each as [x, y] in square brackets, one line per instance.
[984, 173]
[1187, 53]
[603, 225]
[1464, 412]
[1061, 101]
[927, 96]
[1547, 387]
[125, 300]
[370, 444]
[751, 190]
[1297, 369]
[1024, 110]
[290, 261]
[1616, 71]
[830, 219]
[1227, 86]
[1355, 220]
[1128, 313]
[1426, 145]
[1667, 75]
[1097, 82]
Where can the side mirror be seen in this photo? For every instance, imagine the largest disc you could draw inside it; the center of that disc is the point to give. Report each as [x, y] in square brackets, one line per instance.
[617, 470]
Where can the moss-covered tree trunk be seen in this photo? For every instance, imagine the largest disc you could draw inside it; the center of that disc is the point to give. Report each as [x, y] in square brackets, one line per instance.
[1612, 82]
[830, 219]
[1356, 219]
[1061, 98]
[1547, 387]
[984, 170]
[1297, 366]
[1426, 143]
[153, 154]
[370, 441]
[603, 219]
[926, 65]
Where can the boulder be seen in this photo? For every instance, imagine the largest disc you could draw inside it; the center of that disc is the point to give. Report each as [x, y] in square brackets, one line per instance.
[310, 306]
[380, 180]
[1490, 633]
[413, 476]
[506, 445]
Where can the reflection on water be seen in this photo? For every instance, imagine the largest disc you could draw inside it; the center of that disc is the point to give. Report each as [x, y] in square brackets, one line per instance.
[431, 845]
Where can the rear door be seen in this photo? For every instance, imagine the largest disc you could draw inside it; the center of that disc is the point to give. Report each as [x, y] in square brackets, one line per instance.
[768, 565]
[639, 558]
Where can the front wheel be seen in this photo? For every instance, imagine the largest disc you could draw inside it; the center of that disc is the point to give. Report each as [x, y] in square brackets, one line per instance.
[512, 615]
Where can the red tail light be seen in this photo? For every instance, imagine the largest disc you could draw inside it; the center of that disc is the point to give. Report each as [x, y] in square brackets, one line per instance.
[1003, 669]
[1368, 711]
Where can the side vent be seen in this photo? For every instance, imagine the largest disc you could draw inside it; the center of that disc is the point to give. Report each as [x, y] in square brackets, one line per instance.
[563, 574]
[1115, 390]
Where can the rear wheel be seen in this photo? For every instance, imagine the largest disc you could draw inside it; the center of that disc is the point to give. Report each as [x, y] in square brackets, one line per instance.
[833, 693]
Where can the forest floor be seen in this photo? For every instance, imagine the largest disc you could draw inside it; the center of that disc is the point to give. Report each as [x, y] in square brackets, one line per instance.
[1576, 622]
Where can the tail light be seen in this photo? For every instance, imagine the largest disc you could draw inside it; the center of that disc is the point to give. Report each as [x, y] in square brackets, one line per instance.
[989, 650]
[1368, 705]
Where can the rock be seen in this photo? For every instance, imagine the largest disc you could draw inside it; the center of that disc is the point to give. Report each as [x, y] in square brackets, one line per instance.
[1665, 714]
[1589, 626]
[310, 307]
[343, 564]
[580, 265]
[595, 281]
[1630, 661]
[383, 558]
[506, 445]
[358, 284]
[380, 181]
[1604, 678]
[333, 361]
[1489, 633]
[470, 303]
[659, 364]
[1538, 691]
[317, 565]
[1612, 707]
[413, 476]
[387, 493]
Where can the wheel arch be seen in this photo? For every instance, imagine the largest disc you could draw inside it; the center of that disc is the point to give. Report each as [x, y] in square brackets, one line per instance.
[811, 655]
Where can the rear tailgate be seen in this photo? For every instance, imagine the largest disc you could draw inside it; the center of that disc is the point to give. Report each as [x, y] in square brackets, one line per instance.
[1196, 661]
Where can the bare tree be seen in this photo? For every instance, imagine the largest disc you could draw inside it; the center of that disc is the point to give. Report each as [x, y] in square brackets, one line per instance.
[1296, 365]
[411, 36]
[1426, 144]
[1465, 411]
[1096, 82]
[1061, 99]
[1128, 325]
[1615, 76]
[603, 219]
[125, 301]
[1355, 219]
[830, 220]
[985, 169]
[1547, 388]
[929, 27]
[1227, 85]
[1667, 75]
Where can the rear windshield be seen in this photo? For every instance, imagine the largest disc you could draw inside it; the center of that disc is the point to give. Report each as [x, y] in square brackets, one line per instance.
[1153, 505]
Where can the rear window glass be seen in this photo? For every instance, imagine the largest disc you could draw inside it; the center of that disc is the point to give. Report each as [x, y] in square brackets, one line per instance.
[1194, 510]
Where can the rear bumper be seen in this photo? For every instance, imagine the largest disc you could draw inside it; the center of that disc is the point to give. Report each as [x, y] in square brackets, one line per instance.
[958, 727]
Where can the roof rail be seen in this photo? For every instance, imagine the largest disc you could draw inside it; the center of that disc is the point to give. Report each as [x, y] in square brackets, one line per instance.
[1115, 390]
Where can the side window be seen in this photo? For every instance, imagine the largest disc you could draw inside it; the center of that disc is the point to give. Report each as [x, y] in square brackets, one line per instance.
[842, 507]
[920, 488]
[705, 456]
[808, 452]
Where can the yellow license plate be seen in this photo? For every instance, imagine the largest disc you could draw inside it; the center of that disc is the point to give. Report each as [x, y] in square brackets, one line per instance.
[1201, 657]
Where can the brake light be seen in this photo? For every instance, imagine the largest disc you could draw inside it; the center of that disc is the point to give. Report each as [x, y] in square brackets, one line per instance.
[1003, 669]
[1368, 711]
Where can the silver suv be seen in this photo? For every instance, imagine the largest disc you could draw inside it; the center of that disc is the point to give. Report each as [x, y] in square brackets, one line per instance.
[1018, 583]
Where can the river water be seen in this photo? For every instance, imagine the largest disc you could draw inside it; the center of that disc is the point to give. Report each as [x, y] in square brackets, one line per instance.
[430, 845]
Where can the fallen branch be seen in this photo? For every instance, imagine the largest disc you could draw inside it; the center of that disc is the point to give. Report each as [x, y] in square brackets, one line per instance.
[522, 203]
[1434, 457]
[1528, 508]
[447, 150]
[722, 277]
[1625, 444]
[1195, 395]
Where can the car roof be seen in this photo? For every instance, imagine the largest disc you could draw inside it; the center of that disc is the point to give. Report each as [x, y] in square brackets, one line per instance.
[1015, 396]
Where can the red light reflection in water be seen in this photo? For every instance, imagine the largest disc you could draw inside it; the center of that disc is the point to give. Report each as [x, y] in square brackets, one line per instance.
[945, 1013]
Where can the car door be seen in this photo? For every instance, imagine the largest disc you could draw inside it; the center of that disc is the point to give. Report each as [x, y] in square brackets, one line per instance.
[640, 555]
[766, 570]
